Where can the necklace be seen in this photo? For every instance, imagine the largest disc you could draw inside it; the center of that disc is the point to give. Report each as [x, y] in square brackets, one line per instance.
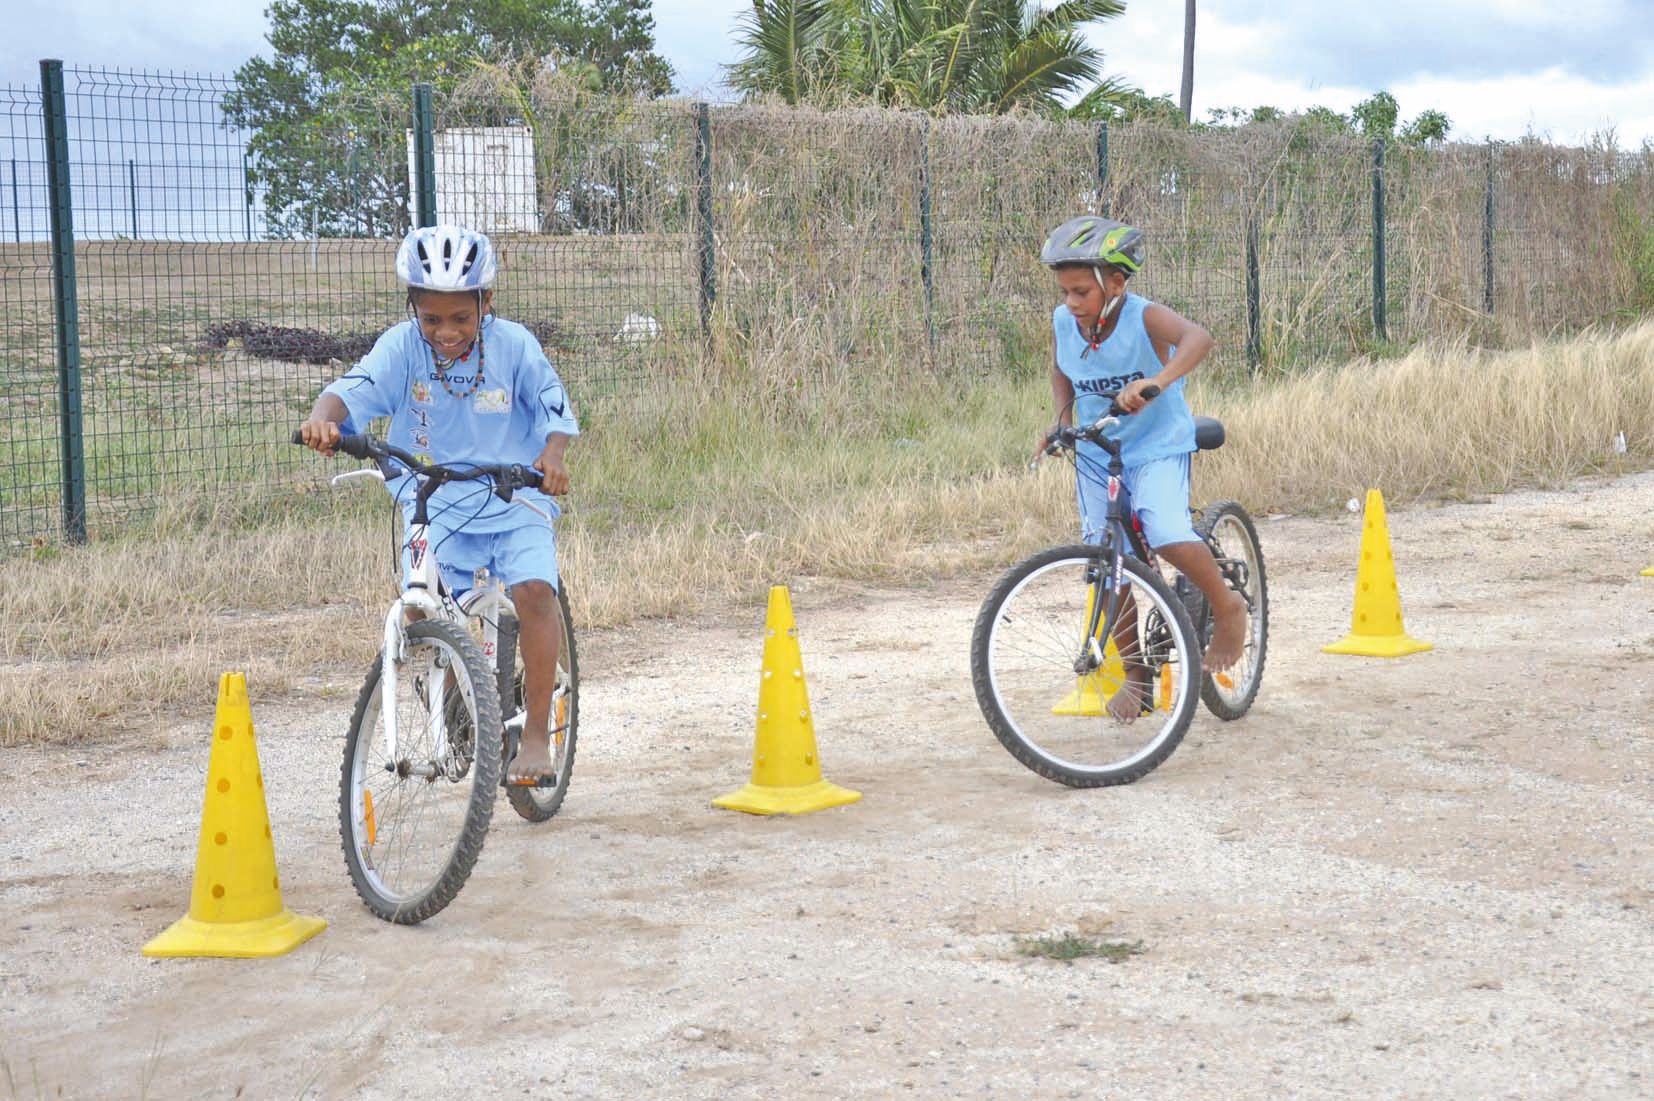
[442, 371]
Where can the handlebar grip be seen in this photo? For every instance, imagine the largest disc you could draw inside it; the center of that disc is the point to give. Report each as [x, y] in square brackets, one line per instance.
[356, 446]
[1150, 393]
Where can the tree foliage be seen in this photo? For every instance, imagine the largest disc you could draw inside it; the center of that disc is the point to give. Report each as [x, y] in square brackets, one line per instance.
[943, 56]
[329, 109]
[1377, 116]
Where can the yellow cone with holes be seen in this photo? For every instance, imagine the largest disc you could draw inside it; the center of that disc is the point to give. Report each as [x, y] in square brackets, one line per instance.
[235, 905]
[1376, 629]
[786, 774]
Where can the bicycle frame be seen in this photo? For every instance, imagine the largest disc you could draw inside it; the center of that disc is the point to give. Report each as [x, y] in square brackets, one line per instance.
[425, 595]
[1121, 537]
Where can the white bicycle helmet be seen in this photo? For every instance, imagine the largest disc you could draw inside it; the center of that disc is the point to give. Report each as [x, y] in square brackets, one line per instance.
[446, 258]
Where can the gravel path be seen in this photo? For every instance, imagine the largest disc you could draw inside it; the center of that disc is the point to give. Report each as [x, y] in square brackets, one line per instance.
[1426, 877]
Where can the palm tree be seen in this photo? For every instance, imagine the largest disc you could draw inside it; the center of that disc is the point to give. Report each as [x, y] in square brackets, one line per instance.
[944, 56]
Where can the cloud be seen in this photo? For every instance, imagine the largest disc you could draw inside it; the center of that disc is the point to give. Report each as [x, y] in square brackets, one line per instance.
[1378, 45]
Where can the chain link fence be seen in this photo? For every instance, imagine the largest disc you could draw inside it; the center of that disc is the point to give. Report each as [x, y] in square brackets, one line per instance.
[178, 290]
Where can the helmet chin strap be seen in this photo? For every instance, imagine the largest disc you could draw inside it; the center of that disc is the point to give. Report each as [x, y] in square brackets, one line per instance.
[1095, 336]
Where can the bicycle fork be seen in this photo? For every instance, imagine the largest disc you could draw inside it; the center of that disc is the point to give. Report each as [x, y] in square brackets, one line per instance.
[394, 653]
[1103, 607]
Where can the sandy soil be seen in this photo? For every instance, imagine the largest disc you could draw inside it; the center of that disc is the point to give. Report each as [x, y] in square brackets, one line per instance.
[1423, 877]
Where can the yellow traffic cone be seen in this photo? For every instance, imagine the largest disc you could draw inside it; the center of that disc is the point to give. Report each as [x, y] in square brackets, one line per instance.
[1375, 624]
[1092, 691]
[1649, 572]
[235, 905]
[786, 776]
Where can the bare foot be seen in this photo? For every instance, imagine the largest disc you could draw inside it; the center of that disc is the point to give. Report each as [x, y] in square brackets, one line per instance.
[533, 761]
[1127, 704]
[1228, 635]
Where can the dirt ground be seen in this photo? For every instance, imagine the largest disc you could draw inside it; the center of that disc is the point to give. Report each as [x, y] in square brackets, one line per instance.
[1423, 877]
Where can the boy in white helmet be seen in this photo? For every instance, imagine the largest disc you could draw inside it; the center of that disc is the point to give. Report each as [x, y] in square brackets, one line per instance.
[461, 385]
[1108, 340]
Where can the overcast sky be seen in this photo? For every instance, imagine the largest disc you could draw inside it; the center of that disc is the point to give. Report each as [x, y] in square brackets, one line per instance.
[1498, 68]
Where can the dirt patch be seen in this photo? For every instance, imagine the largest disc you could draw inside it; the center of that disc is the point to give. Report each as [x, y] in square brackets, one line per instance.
[1427, 876]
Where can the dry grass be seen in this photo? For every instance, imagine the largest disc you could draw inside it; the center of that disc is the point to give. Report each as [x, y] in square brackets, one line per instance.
[1443, 421]
[771, 468]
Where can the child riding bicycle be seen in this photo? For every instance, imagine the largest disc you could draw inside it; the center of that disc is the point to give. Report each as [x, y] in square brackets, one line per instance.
[448, 402]
[1109, 340]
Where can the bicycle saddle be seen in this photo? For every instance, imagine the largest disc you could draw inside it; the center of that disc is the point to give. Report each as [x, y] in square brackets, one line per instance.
[1208, 433]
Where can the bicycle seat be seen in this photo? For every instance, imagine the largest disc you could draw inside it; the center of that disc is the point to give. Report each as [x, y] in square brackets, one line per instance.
[1208, 433]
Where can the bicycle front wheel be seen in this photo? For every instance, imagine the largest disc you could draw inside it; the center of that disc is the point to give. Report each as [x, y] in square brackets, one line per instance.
[1085, 711]
[412, 820]
[538, 804]
[1229, 531]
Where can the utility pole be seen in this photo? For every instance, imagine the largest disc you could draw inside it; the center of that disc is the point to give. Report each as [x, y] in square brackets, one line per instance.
[1187, 101]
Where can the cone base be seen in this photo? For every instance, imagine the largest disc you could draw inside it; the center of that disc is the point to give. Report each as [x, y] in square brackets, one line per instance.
[1087, 700]
[261, 937]
[762, 799]
[1377, 646]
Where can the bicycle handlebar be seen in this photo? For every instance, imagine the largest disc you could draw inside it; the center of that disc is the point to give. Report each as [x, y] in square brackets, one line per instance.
[1066, 436]
[507, 476]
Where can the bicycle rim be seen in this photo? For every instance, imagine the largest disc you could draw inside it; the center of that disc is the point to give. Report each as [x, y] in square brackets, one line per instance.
[1056, 718]
[538, 804]
[413, 824]
[1229, 693]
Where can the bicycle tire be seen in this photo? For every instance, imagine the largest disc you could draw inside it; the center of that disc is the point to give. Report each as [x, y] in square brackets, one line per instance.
[1228, 530]
[539, 804]
[1029, 632]
[401, 877]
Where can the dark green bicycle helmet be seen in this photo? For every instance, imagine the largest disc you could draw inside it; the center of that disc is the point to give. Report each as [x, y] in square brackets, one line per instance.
[1096, 241]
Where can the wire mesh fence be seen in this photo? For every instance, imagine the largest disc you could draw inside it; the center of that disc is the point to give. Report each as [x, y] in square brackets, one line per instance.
[218, 271]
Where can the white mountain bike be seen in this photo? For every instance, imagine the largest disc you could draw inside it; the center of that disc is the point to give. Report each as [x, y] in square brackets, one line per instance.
[416, 792]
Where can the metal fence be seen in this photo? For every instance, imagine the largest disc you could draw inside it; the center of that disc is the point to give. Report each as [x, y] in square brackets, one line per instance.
[177, 291]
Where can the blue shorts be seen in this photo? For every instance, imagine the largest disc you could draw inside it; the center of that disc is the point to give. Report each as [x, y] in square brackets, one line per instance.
[525, 553]
[1159, 495]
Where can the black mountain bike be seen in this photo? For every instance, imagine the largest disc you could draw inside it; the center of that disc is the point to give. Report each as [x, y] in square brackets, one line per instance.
[1086, 659]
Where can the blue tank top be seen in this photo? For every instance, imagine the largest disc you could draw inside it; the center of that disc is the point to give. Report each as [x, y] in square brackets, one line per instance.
[1162, 428]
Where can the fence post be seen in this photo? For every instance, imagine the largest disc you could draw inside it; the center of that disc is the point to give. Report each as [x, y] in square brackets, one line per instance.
[1379, 327]
[1487, 238]
[71, 437]
[926, 245]
[424, 181]
[703, 214]
[1254, 339]
[16, 214]
[132, 193]
[247, 197]
[1102, 169]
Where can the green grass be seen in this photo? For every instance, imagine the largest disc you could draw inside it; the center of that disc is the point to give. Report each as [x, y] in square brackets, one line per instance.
[1074, 946]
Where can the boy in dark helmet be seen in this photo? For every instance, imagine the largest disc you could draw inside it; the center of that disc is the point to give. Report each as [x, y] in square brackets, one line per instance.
[1109, 340]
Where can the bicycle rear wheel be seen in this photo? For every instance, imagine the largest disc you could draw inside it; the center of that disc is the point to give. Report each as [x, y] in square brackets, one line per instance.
[1045, 688]
[538, 804]
[1229, 531]
[412, 824]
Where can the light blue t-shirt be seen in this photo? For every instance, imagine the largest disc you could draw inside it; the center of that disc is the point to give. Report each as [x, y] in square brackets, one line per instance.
[1162, 428]
[503, 419]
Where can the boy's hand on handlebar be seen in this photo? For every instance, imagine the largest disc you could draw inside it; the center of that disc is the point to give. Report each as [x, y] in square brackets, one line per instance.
[319, 435]
[554, 475]
[1046, 440]
[1137, 394]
